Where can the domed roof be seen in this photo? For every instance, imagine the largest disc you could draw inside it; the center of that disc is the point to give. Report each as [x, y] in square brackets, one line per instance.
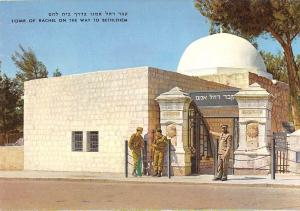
[220, 50]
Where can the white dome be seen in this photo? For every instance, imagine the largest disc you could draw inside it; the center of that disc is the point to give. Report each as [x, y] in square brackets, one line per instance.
[204, 56]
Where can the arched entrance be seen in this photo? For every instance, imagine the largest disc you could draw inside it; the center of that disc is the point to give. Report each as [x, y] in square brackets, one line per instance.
[200, 142]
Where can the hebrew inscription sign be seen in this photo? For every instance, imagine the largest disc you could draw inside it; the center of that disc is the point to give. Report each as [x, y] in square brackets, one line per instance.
[214, 98]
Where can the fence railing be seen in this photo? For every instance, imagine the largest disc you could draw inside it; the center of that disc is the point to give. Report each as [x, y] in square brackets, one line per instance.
[279, 160]
[232, 160]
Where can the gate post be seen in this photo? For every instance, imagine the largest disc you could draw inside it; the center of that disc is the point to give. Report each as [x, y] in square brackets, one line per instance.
[174, 111]
[145, 157]
[216, 158]
[273, 158]
[169, 158]
[254, 130]
[126, 158]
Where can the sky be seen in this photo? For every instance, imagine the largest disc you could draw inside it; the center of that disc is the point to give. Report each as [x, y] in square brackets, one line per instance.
[155, 34]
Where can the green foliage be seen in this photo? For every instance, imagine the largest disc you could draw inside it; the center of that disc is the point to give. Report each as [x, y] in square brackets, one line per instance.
[277, 66]
[30, 67]
[57, 73]
[254, 17]
[216, 27]
[10, 110]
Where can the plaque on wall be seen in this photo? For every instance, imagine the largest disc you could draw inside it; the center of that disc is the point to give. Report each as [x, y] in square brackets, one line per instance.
[252, 135]
[171, 132]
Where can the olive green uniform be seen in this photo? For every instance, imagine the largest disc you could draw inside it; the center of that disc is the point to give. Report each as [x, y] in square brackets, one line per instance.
[223, 155]
[159, 151]
[136, 144]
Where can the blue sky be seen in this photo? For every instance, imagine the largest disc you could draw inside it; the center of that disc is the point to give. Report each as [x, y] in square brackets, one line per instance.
[156, 34]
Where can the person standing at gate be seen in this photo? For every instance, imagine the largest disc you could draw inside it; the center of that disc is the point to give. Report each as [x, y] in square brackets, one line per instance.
[225, 142]
[159, 145]
[136, 144]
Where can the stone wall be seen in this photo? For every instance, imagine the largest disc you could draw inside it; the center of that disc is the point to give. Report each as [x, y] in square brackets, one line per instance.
[280, 92]
[240, 80]
[113, 103]
[11, 158]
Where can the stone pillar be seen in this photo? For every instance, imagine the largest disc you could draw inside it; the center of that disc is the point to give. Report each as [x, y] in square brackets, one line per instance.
[174, 106]
[252, 155]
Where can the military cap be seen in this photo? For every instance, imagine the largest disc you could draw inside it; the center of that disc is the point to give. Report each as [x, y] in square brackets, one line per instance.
[158, 130]
[139, 129]
[224, 126]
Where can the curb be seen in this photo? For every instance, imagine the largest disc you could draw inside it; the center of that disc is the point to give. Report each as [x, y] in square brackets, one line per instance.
[220, 184]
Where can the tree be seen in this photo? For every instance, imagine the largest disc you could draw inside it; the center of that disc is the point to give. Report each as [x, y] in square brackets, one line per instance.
[57, 73]
[30, 67]
[276, 65]
[10, 112]
[216, 27]
[278, 18]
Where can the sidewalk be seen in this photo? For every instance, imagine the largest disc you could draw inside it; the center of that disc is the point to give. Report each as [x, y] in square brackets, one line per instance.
[290, 181]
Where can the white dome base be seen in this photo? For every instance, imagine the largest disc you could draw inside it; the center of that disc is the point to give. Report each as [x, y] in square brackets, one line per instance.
[227, 70]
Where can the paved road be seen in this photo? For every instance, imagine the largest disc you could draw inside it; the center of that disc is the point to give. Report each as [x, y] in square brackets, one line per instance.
[49, 194]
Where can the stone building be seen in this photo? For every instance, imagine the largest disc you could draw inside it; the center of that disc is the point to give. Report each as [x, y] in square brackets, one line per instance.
[79, 122]
[111, 103]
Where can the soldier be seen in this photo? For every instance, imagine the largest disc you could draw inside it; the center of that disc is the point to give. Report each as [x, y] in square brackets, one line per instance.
[136, 144]
[159, 145]
[225, 140]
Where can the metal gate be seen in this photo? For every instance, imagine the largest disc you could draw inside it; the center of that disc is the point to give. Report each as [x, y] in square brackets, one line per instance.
[199, 142]
[280, 152]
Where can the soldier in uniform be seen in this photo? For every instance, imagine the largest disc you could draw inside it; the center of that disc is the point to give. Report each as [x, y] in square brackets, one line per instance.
[136, 144]
[159, 145]
[225, 142]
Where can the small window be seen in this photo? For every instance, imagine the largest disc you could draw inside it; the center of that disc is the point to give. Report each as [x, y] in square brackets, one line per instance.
[297, 157]
[92, 141]
[77, 139]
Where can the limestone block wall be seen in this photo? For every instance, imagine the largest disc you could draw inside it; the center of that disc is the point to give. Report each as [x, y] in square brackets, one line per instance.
[113, 103]
[240, 80]
[11, 158]
[280, 91]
